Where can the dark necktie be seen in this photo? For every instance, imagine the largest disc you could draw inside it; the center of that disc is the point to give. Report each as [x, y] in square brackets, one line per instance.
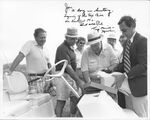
[127, 64]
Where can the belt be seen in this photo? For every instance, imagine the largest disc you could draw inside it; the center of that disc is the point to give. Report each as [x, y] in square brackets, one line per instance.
[36, 74]
[33, 80]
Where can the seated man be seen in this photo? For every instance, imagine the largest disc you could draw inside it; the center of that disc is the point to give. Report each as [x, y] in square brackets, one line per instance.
[97, 57]
[66, 51]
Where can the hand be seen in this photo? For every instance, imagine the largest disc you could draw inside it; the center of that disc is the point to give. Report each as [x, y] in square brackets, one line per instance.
[87, 84]
[81, 84]
[118, 80]
[95, 78]
[8, 72]
[107, 70]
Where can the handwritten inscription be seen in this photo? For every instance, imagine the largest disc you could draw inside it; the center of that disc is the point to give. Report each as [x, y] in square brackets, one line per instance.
[92, 17]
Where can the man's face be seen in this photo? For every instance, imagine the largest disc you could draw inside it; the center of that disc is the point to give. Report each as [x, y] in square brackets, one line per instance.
[111, 41]
[127, 31]
[80, 44]
[41, 38]
[122, 39]
[96, 47]
[71, 40]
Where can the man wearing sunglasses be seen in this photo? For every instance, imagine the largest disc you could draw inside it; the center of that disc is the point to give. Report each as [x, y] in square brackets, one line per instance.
[78, 51]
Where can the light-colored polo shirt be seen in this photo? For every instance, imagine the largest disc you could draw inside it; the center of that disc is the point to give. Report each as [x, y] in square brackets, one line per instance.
[93, 63]
[117, 53]
[78, 58]
[36, 57]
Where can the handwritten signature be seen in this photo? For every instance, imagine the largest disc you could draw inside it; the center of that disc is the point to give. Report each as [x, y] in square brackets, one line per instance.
[90, 17]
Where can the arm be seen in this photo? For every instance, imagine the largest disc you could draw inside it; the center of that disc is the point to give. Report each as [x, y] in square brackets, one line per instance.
[119, 68]
[49, 65]
[62, 54]
[15, 63]
[74, 76]
[86, 76]
[112, 67]
[84, 67]
[47, 56]
[140, 60]
[113, 59]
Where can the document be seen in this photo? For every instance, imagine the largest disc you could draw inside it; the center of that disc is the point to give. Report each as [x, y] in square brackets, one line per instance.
[108, 79]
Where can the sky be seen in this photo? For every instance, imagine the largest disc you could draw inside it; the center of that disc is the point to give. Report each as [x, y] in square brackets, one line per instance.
[19, 18]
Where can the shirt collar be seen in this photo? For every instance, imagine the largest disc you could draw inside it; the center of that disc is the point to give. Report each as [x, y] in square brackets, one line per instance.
[70, 47]
[36, 44]
[104, 46]
[131, 39]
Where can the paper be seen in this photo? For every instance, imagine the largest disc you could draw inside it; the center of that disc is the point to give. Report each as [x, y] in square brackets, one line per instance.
[102, 106]
[103, 87]
[108, 79]
[125, 86]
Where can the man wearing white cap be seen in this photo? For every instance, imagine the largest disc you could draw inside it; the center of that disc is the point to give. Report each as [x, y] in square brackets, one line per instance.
[98, 56]
[112, 41]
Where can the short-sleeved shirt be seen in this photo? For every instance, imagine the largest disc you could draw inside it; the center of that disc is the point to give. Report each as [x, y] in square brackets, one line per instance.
[78, 58]
[64, 51]
[36, 57]
[93, 63]
[117, 53]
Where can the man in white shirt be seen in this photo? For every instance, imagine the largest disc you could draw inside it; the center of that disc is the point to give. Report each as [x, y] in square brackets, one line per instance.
[36, 60]
[98, 56]
[111, 39]
[79, 51]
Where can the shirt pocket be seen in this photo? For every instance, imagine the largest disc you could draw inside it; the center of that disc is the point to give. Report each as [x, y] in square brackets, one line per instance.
[93, 65]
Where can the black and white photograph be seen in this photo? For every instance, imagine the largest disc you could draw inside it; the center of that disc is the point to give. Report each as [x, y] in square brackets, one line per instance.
[71, 59]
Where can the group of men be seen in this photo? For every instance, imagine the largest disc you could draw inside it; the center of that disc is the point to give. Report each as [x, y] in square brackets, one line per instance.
[83, 64]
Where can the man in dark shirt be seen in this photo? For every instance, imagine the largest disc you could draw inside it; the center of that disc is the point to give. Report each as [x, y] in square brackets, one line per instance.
[66, 51]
